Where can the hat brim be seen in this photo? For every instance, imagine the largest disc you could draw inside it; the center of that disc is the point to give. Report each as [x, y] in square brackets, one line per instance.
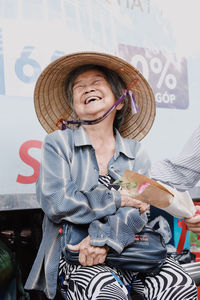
[51, 101]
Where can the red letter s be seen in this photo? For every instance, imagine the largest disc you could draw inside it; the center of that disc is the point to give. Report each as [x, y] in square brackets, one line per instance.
[25, 157]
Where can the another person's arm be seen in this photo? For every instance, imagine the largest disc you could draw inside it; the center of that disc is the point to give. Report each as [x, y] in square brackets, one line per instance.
[182, 171]
[193, 224]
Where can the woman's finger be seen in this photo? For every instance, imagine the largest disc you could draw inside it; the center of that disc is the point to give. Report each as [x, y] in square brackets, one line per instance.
[193, 220]
[74, 247]
[144, 207]
[82, 258]
[195, 230]
[90, 260]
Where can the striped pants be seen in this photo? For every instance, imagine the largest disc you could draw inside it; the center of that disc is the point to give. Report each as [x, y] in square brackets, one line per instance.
[102, 282]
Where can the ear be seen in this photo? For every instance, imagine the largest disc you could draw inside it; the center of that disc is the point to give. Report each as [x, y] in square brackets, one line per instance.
[120, 105]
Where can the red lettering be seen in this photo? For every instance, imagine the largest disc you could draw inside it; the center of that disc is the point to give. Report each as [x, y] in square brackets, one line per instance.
[32, 162]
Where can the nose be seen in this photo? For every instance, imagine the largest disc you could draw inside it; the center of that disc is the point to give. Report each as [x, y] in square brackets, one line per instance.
[89, 88]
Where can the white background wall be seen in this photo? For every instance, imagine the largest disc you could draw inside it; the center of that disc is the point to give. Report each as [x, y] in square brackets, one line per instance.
[33, 33]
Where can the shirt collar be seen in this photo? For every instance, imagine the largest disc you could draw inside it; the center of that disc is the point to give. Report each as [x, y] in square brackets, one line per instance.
[122, 144]
[81, 138]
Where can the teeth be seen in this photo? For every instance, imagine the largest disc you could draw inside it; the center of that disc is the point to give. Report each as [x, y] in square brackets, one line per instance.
[90, 99]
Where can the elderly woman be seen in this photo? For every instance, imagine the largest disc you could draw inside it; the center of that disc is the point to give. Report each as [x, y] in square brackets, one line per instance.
[78, 169]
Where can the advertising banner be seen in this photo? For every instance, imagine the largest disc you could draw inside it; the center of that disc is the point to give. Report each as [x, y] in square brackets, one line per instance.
[143, 32]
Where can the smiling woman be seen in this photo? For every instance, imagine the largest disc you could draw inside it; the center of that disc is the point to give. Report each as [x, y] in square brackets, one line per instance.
[78, 169]
[92, 82]
[89, 91]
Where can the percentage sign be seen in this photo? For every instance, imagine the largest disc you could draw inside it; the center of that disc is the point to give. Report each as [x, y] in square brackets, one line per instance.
[157, 68]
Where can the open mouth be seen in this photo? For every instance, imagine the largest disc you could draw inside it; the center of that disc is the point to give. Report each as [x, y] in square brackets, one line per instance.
[92, 99]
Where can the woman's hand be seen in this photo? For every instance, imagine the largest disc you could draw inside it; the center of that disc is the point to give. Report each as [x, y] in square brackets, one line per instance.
[127, 200]
[89, 255]
[193, 223]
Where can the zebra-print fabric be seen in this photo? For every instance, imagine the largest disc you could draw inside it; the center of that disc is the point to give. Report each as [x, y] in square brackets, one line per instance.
[171, 283]
[102, 282]
[97, 282]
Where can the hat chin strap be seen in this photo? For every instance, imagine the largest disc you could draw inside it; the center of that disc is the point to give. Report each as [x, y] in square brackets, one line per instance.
[134, 108]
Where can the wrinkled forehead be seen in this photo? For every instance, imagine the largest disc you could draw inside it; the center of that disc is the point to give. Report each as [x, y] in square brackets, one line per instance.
[84, 69]
[92, 74]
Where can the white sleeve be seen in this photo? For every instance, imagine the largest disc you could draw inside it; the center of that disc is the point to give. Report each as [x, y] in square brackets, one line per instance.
[182, 171]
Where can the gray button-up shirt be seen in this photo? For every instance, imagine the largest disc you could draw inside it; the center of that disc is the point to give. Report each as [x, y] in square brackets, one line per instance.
[68, 190]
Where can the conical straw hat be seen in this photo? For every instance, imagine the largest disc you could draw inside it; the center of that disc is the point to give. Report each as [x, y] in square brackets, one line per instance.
[51, 102]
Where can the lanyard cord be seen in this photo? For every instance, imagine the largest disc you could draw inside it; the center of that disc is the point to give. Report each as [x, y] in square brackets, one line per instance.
[134, 108]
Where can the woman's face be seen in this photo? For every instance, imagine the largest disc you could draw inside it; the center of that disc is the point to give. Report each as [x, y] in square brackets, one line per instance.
[92, 95]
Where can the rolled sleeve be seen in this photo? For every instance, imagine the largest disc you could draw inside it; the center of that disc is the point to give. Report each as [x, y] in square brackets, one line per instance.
[117, 231]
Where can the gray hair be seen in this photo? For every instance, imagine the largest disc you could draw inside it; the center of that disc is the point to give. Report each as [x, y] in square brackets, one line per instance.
[116, 83]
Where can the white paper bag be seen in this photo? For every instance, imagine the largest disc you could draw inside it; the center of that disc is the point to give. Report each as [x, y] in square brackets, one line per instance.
[182, 205]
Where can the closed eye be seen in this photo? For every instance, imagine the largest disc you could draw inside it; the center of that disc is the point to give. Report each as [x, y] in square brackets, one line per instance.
[78, 86]
[98, 81]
